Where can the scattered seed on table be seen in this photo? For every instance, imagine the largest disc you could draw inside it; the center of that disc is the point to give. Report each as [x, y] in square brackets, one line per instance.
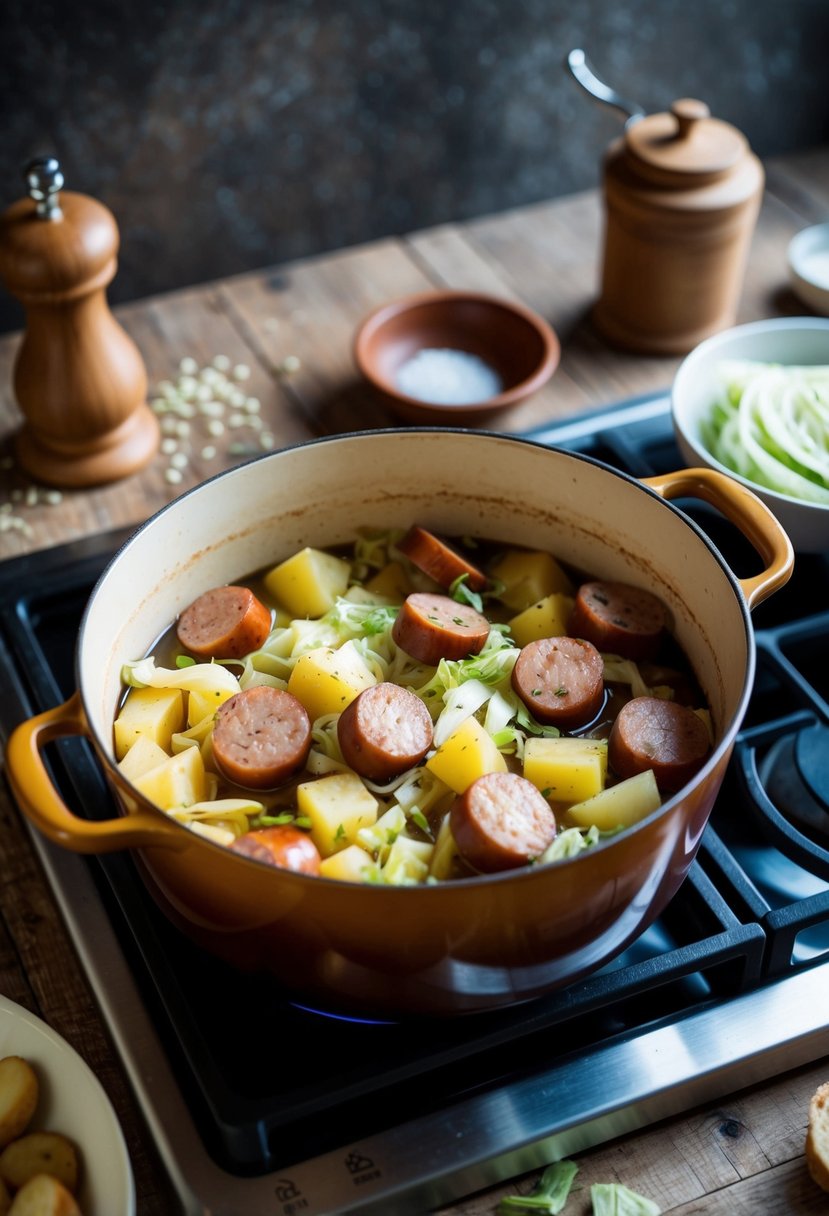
[172, 475]
[241, 372]
[168, 446]
[188, 366]
[179, 460]
[221, 362]
[215, 427]
[208, 452]
[211, 409]
[289, 364]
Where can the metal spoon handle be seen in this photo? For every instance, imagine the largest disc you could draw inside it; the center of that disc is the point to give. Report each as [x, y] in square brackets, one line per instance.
[576, 61]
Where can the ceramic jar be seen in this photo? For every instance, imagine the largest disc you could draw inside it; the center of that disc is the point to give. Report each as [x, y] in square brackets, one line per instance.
[682, 191]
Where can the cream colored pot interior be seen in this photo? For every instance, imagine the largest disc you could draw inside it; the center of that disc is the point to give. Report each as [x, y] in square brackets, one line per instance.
[456, 483]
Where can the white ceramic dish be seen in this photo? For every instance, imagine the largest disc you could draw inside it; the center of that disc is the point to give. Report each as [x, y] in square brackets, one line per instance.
[787, 340]
[808, 257]
[72, 1101]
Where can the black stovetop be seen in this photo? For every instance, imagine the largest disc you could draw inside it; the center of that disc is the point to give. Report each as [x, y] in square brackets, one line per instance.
[268, 1082]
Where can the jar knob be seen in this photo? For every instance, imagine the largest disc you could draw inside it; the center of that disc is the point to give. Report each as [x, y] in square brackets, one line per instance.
[43, 180]
[688, 111]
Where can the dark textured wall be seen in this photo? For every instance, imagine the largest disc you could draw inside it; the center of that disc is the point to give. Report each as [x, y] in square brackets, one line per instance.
[227, 135]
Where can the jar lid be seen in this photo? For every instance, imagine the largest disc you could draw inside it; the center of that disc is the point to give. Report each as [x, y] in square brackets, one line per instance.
[685, 142]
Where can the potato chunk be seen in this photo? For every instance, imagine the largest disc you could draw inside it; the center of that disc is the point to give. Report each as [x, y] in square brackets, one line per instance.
[180, 781]
[529, 577]
[201, 705]
[619, 806]
[43, 1195]
[337, 806]
[392, 582]
[39, 1153]
[547, 618]
[467, 754]
[348, 865]
[19, 1090]
[326, 679]
[308, 583]
[145, 754]
[154, 712]
[566, 769]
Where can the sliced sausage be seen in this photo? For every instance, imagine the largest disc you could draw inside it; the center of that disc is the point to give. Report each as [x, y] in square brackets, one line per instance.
[284, 846]
[619, 619]
[437, 559]
[434, 627]
[561, 681]
[500, 822]
[384, 731]
[663, 735]
[224, 623]
[262, 736]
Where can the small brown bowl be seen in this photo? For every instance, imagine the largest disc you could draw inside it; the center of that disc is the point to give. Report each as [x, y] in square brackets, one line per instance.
[515, 343]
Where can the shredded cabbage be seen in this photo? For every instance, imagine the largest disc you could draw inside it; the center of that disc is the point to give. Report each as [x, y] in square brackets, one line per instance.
[616, 1199]
[771, 425]
[570, 842]
[205, 678]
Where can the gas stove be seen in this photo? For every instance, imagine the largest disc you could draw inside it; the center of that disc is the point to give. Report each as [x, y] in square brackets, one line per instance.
[260, 1105]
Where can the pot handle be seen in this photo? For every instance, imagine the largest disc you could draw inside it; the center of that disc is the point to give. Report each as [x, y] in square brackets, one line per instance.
[746, 511]
[40, 802]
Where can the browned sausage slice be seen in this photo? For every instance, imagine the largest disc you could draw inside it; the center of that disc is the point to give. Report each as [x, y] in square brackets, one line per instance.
[561, 681]
[619, 619]
[284, 846]
[437, 559]
[224, 623]
[500, 822]
[662, 735]
[261, 738]
[434, 627]
[384, 731]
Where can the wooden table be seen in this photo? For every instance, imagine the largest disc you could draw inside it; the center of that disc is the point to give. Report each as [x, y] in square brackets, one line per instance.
[743, 1155]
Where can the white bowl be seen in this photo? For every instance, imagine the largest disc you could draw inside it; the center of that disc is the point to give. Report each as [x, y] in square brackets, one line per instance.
[808, 257]
[72, 1101]
[698, 382]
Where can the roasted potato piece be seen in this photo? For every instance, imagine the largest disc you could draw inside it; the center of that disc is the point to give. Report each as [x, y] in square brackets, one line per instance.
[44, 1195]
[18, 1097]
[39, 1153]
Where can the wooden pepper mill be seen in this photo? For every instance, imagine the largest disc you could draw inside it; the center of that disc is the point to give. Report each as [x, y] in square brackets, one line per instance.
[79, 379]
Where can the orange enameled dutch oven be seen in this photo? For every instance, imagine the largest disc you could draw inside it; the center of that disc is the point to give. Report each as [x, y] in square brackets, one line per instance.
[447, 948]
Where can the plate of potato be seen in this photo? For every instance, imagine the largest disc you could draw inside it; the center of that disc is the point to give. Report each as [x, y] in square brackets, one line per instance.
[62, 1151]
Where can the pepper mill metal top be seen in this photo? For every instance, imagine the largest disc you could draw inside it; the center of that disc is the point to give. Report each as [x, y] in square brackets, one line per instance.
[44, 179]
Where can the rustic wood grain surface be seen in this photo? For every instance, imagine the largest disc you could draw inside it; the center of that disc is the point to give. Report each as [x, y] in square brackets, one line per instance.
[743, 1154]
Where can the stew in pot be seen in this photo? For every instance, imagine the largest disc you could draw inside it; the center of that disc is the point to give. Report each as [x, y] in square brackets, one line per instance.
[413, 710]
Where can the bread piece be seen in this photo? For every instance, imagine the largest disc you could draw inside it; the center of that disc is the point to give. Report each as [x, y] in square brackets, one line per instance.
[39, 1153]
[817, 1137]
[18, 1097]
[43, 1195]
